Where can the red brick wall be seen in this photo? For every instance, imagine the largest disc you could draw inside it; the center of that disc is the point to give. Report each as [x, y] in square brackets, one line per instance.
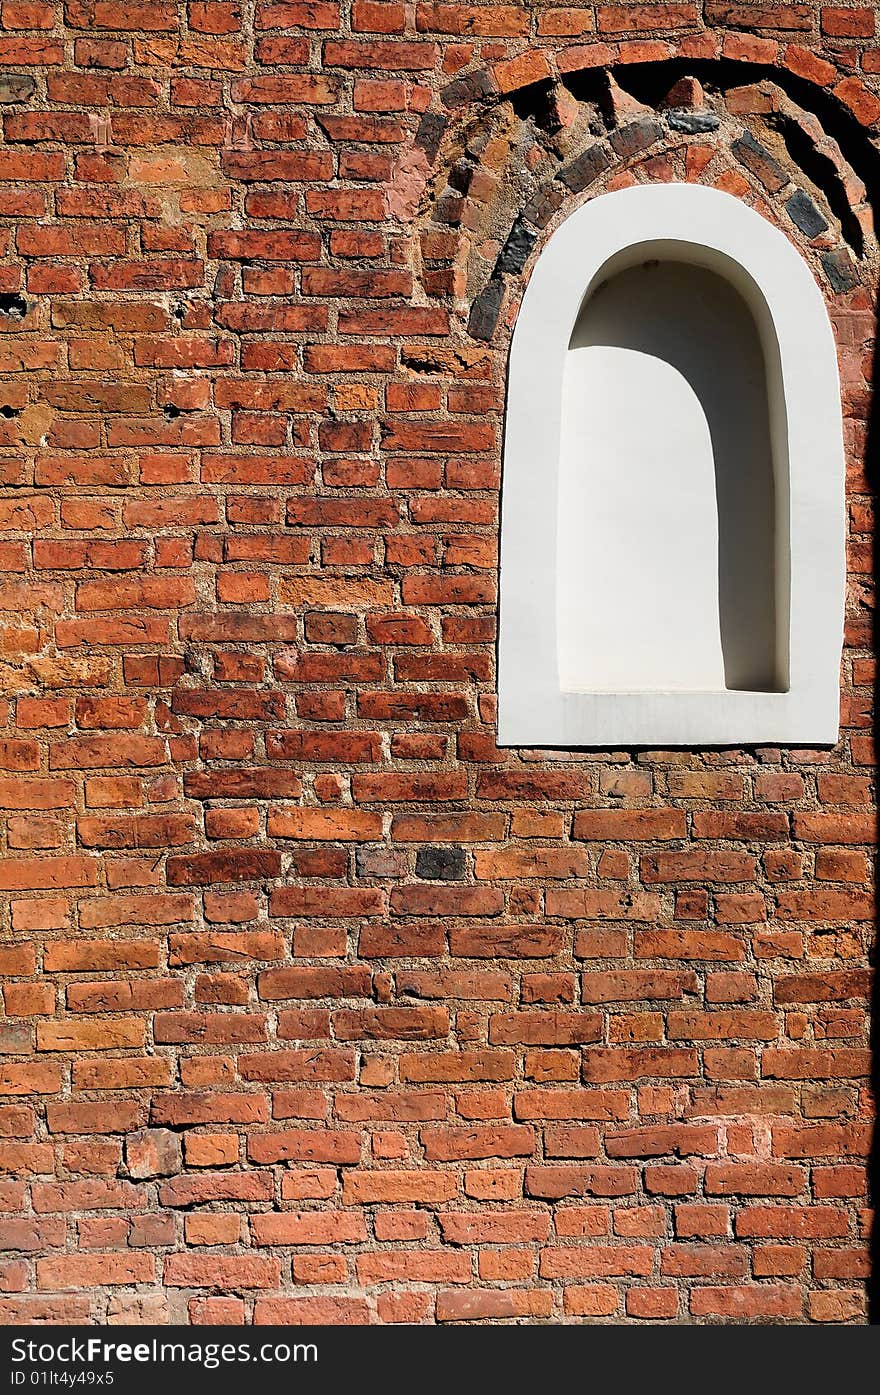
[319, 1007]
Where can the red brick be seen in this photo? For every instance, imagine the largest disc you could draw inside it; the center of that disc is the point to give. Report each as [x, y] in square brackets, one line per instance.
[622, 19]
[630, 825]
[209, 1271]
[611, 1061]
[85, 1271]
[747, 1302]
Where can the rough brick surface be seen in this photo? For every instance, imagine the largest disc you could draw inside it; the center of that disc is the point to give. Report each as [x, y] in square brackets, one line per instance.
[318, 1005]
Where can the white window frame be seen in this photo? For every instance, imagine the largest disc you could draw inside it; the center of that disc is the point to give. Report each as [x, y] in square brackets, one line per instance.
[713, 229]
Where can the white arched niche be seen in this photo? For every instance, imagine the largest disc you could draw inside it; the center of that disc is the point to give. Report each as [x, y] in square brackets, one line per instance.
[672, 524]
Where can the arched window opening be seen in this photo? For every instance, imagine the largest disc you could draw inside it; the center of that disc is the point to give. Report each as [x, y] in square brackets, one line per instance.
[668, 551]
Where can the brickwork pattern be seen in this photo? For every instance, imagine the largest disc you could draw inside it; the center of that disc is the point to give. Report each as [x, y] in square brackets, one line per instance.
[318, 1006]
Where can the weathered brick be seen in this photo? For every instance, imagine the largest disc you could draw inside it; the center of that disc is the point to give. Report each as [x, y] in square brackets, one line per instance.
[294, 947]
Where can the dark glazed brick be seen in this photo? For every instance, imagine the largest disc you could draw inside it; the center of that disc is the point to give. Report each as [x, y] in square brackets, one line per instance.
[440, 864]
[804, 214]
[16, 1038]
[430, 133]
[448, 208]
[516, 250]
[461, 174]
[693, 123]
[840, 270]
[469, 88]
[485, 311]
[542, 205]
[629, 140]
[585, 168]
[760, 162]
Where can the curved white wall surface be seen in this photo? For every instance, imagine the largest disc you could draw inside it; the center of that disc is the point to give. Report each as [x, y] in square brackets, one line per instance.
[672, 530]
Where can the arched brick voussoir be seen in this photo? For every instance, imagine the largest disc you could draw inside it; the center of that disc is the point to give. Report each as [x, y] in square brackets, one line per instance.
[511, 75]
[470, 96]
[514, 175]
[479, 87]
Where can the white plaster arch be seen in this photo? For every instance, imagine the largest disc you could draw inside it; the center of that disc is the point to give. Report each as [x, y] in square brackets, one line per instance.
[543, 702]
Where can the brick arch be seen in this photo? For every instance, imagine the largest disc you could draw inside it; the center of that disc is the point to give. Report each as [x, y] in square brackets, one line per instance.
[745, 153]
[508, 175]
[510, 77]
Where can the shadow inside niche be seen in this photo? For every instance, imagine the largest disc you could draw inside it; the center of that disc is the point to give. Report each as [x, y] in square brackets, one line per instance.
[668, 507]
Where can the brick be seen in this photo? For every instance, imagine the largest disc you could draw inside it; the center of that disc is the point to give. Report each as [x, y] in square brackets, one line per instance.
[29, 874]
[547, 1028]
[570, 1104]
[85, 1271]
[456, 1066]
[305, 1145]
[307, 1228]
[211, 868]
[848, 23]
[747, 1302]
[770, 16]
[467, 1034]
[630, 825]
[152, 1153]
[824, 905]
[758, 160]
[588, 1263]
[90, 1034]
[791, 1222]
[634, 985]
[753, 1179]
[295, 1312]
[611, 1064]
[698, 866]
[331, 825]
[396, 1024]
[453, 1144]
[208, 1271]
[424, 1186]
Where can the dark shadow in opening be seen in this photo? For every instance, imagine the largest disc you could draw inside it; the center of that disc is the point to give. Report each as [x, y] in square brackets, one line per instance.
[698, 323]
